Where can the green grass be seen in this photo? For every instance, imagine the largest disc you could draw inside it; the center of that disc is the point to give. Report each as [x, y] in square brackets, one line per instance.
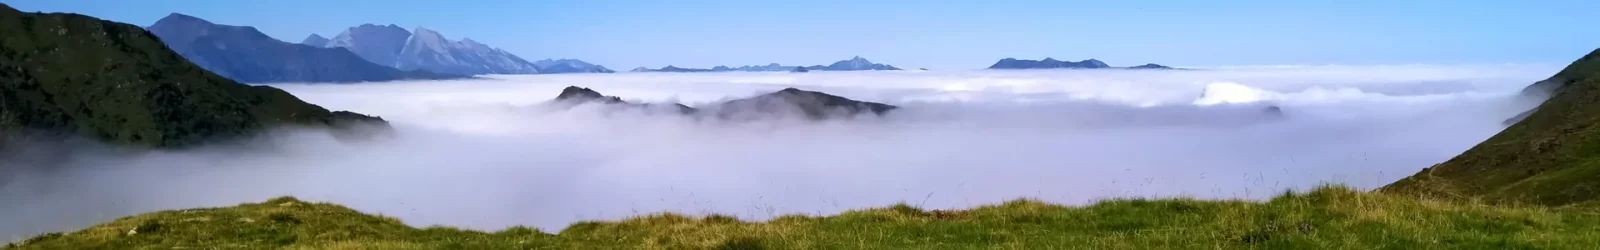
[1552, 157]
[1325, 218]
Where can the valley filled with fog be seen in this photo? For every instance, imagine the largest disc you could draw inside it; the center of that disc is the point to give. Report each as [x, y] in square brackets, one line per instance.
[489, 153]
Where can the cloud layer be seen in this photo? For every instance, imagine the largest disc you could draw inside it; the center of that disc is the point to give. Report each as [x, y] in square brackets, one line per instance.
[488, 154]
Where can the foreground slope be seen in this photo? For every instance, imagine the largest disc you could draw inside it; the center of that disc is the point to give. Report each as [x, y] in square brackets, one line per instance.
[78, 75]
[1326, 218]
[1551, 157]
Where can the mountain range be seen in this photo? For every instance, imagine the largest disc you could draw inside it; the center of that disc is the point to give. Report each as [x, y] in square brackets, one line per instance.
[244, 54]
[1052, 63]
[426, 49]
[560, 66]
[854, 64]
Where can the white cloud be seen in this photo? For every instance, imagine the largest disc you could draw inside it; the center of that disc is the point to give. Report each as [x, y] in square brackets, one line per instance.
[484, 153]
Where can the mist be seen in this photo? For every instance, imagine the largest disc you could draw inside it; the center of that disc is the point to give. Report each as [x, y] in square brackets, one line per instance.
[491, 153]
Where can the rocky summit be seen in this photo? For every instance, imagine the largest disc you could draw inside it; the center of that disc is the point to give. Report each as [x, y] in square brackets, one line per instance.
[784, 103]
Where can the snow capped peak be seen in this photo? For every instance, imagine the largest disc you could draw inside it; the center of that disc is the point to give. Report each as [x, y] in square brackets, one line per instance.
[425, 33]
[426, 49]
[476, 45]
[425, 38]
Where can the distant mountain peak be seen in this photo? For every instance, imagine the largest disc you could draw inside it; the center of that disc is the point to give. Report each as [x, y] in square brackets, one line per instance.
[567, 65]
[315, 40]
[475, 44]
[1096, 63]
[1150, 66]
[425, 32]
[180, 17]
[244, 54]
[1047, 63]
[857, 63]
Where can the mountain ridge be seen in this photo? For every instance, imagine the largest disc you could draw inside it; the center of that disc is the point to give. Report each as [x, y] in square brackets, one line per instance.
[1052, 63]
[566, 65]
[244, 54]
[853, 64]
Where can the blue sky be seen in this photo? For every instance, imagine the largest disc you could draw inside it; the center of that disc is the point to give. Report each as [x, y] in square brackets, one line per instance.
[934, 34]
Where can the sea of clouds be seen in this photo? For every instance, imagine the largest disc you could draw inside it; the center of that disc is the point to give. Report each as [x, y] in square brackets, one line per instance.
[490, 153]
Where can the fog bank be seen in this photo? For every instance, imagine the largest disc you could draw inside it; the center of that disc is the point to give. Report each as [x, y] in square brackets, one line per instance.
[487, 153]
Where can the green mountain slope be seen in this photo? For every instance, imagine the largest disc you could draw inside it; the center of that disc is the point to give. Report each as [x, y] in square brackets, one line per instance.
[78, 75]
[1550, 157]
[1326, 218]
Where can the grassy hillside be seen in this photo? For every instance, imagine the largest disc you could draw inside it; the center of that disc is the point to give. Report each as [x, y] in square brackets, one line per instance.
[78, 75]
[1326, 218]
[1551, 157]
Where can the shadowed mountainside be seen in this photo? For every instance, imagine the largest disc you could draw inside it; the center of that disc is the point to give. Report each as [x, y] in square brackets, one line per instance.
[70, 74]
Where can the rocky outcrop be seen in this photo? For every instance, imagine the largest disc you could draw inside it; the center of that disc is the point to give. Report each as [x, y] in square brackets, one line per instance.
[786, 103]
